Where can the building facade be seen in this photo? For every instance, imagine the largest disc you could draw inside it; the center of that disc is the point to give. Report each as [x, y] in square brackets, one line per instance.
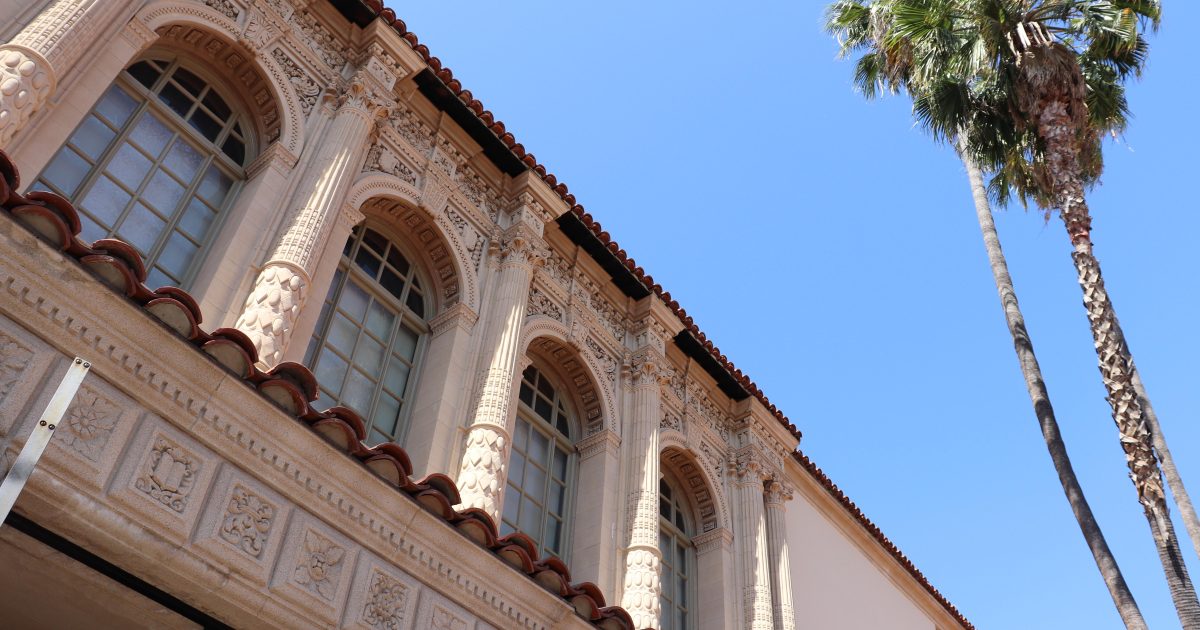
[358, 360]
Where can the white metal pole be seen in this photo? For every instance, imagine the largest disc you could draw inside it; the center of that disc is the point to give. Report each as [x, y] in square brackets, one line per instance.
[21, 469]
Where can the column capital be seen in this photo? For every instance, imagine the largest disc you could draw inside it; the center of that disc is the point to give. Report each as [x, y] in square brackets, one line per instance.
[521, 246]
[349, 216]
[777, 492]
[747, 468]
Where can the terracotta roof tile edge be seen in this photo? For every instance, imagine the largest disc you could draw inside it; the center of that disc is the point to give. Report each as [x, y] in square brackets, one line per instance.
[497, 127]
[291, 387]
[879, 536]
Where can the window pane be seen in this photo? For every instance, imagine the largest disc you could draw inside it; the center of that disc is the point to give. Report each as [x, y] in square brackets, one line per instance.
[190, 82]
[216, 105]
[397, 377]
[66, 171]
[91, 232]
[367, 262]
[375, 241]
[150, 134]
[543, 408]
[357, 392]
[184, 160]
[405, 343]
[197, 219]
[235, 149]
[539, 447]
[526, 395]
[175, 99]
[177, 256]
[531, 518]
[512, 501]
[516, 469]
[342, 334]
[129, 166]
[330, 370]
[545, 387]
[387, 412]
[521, 435]
[163, 192]
[558, 499]
[560, 464]
[214, 186]
[141, 228]
[380, 320]
[105, 201]
[116, 106]
[392, 282]
[354, 301]
[415, 302]
[397, 260]
[369, 355]
[535, 481]
[144, 73]
[156, 278]
[553, 531]
[92, 137]
[208, 126]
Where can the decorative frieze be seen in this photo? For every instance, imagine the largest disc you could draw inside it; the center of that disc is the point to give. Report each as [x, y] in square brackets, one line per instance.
[89, 424]
[320, 41]
[320, 565]
[541, 304]
[381, 159]
[224, 7]
[247, 521]
[168, 474]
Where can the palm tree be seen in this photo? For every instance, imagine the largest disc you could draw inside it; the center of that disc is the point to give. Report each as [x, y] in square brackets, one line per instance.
[1031, 71]
[862, 27]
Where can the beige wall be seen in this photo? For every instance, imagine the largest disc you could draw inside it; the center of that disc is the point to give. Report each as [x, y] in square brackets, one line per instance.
[837, 586]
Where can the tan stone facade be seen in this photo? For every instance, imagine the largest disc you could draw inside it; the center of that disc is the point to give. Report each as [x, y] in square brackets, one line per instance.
[499, 340]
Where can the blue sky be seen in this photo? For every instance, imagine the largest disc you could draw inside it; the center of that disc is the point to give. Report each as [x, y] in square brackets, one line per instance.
[831, 251]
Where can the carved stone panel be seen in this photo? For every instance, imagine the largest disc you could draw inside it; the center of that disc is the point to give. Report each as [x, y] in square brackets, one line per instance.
[164, 476]
[381, 598]
[93, 431]
[315, 567]
[438, 613]
[23, 364]
[243, 523]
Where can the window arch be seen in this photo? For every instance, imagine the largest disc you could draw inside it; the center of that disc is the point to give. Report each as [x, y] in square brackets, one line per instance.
[370, 333]
[541, 473]
[678, 557]
[156, 163]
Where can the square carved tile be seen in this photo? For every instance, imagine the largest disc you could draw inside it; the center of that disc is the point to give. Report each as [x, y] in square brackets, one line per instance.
[315, 567]
[437, 612]
[24, 361]
[243, 524]
[90, 438]
[381, 597]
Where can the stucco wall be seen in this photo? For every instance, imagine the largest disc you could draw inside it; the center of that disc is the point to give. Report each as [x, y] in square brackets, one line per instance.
[836, 585]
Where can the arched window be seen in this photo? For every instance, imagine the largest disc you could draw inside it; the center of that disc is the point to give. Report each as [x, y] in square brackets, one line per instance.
[541, 469]
[155, 163]
[678, 557]
[368, 337]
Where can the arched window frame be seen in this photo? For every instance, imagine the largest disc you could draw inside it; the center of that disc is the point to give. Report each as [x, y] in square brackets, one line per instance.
[350, 271]
[561, 439]
[676, 527]
[96, 159]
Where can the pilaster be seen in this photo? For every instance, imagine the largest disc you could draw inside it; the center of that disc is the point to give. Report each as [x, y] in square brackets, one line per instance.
[271, 311]
[782, 612]
[750, 528]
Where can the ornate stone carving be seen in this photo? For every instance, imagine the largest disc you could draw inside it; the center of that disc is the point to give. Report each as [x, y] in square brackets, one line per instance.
[413, 131]
[431, 239]
[541, 304]
[260, 31]
[89, 424]
[483, 468]
[320, 565]
[696, 485]
[670, 422]
[26, 81]
[443, 619]
[381, 159]
[320, 41]
[14, 356]
[224, 7]
[247, 521]
[387, 602]
[472, 239]
[306, 89]
[271, 308]
[169, 474]
[643, 569]
[606, 360]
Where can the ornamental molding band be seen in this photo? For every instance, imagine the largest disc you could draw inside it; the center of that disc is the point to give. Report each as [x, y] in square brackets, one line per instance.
[696, 483]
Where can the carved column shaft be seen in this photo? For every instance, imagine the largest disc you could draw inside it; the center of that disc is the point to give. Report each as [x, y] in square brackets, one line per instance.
[32, 62]
[270, 313]
[485, 460]
[643, 562]
[782, 611]
[752, 538]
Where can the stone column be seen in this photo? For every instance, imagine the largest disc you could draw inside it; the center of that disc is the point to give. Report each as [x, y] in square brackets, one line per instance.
[783, 614]
[643, 561]
[282, 286]
[751, 532]
[31, 64]
[485, 457]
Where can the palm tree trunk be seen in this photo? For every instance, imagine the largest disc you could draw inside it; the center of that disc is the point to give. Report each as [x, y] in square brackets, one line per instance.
[1174, 482]
[1127, 607]
[1058, 131]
